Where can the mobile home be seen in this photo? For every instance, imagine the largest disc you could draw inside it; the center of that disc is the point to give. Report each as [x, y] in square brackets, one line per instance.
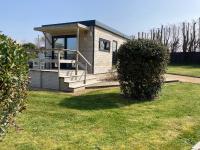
[75, 54]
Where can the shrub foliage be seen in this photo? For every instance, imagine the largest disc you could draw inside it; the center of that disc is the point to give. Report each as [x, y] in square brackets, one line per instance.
[29, 46]
[141, 66]
[13, 81]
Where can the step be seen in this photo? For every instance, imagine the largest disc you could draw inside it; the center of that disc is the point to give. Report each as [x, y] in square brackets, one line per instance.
[80, 83]
[71, 72]
[75, 86]
[76, 78]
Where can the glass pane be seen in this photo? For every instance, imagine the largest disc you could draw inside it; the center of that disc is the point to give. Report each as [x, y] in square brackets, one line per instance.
[71, 43]
[104, 44]
[101, 45]
[59, 43]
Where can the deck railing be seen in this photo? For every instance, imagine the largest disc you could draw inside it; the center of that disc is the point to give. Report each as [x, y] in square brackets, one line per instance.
[45, 59]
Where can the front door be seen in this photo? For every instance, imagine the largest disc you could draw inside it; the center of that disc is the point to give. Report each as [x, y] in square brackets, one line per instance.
[65, 42]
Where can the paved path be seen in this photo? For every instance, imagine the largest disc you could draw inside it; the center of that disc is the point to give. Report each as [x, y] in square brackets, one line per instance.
[196, 147]
[182, 78]
[169, 78]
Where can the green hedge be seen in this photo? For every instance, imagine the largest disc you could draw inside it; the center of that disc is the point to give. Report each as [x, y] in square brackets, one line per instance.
[141, 66]
[13, 81]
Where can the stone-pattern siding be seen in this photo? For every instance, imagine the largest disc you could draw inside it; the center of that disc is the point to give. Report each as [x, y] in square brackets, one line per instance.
[86, 47]
[103, 59]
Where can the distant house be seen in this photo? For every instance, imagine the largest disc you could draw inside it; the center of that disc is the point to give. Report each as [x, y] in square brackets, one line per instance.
[84, 48]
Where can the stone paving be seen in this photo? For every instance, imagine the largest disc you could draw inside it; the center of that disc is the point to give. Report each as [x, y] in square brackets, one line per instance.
[182, 78]
[196, 147]
[169, 78]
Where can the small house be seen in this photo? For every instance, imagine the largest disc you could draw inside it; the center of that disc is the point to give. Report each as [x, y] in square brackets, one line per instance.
[75, 54]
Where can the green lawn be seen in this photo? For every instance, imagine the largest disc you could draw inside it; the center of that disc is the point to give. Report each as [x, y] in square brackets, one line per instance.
[190, 70]
[103, 119]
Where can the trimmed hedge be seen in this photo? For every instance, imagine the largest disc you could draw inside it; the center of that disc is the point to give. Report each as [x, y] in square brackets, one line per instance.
[141, 66]
[13, 81]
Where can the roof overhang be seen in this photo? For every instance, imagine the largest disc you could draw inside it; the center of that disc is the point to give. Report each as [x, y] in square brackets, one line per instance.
[54, 29]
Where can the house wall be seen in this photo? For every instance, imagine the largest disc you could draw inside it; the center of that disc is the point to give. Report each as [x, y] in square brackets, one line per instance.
[103, 59]
[86, 47]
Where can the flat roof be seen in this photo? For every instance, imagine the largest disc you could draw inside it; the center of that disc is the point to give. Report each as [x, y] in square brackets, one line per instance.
[61, 28]
[92, 23]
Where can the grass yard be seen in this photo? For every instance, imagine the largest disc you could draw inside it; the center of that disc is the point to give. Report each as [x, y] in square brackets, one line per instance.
[103, 119]
[190, 70]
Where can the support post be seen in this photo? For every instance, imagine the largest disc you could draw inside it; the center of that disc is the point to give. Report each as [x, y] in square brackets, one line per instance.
[77, 48]
[39, 64]
[46, 38]
[85, 77]
[76, 71]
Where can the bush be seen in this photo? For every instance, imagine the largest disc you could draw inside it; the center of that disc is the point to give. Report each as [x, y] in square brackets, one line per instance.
[141, 66]
[29, 46]
[13, 81]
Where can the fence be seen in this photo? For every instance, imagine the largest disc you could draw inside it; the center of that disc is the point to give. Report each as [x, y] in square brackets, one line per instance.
[185, 58]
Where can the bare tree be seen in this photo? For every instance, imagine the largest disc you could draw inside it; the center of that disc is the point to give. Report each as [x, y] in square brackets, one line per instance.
[192, 45]
[184, 37]
[40, 41]
[175, 41]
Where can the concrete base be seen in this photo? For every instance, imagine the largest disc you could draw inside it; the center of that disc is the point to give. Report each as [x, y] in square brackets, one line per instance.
[44, 79]
[49, 80]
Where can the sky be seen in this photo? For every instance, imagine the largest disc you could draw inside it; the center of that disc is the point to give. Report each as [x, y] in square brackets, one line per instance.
[19, 17]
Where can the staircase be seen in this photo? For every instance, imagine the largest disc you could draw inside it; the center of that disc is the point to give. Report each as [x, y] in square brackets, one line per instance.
[74, 80]
[71, 82]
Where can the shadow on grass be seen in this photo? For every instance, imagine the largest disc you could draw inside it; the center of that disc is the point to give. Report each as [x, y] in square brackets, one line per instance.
[97, 101]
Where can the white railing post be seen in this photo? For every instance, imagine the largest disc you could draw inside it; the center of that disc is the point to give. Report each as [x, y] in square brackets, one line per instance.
[76, 71]
[77, 48]
[39, 67]
[58, 64]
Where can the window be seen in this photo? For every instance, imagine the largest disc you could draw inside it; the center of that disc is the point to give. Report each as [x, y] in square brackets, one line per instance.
[71, 43]
[114, 53]
[65, 42]
[104, 45]
[59, 42]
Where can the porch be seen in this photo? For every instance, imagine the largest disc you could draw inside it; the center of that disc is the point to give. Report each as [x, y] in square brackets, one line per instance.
[47, 73]
[66, 62]
[71, 39]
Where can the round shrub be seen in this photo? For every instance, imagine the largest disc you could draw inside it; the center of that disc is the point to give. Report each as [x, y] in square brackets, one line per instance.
[13, 81]
[141, 66]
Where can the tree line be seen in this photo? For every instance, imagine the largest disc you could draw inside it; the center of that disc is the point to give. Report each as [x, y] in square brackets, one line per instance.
[184, 37]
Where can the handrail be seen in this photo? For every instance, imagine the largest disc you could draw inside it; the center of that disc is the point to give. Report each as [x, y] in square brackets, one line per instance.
[84, 58]
[62, 49]
[52, 49]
